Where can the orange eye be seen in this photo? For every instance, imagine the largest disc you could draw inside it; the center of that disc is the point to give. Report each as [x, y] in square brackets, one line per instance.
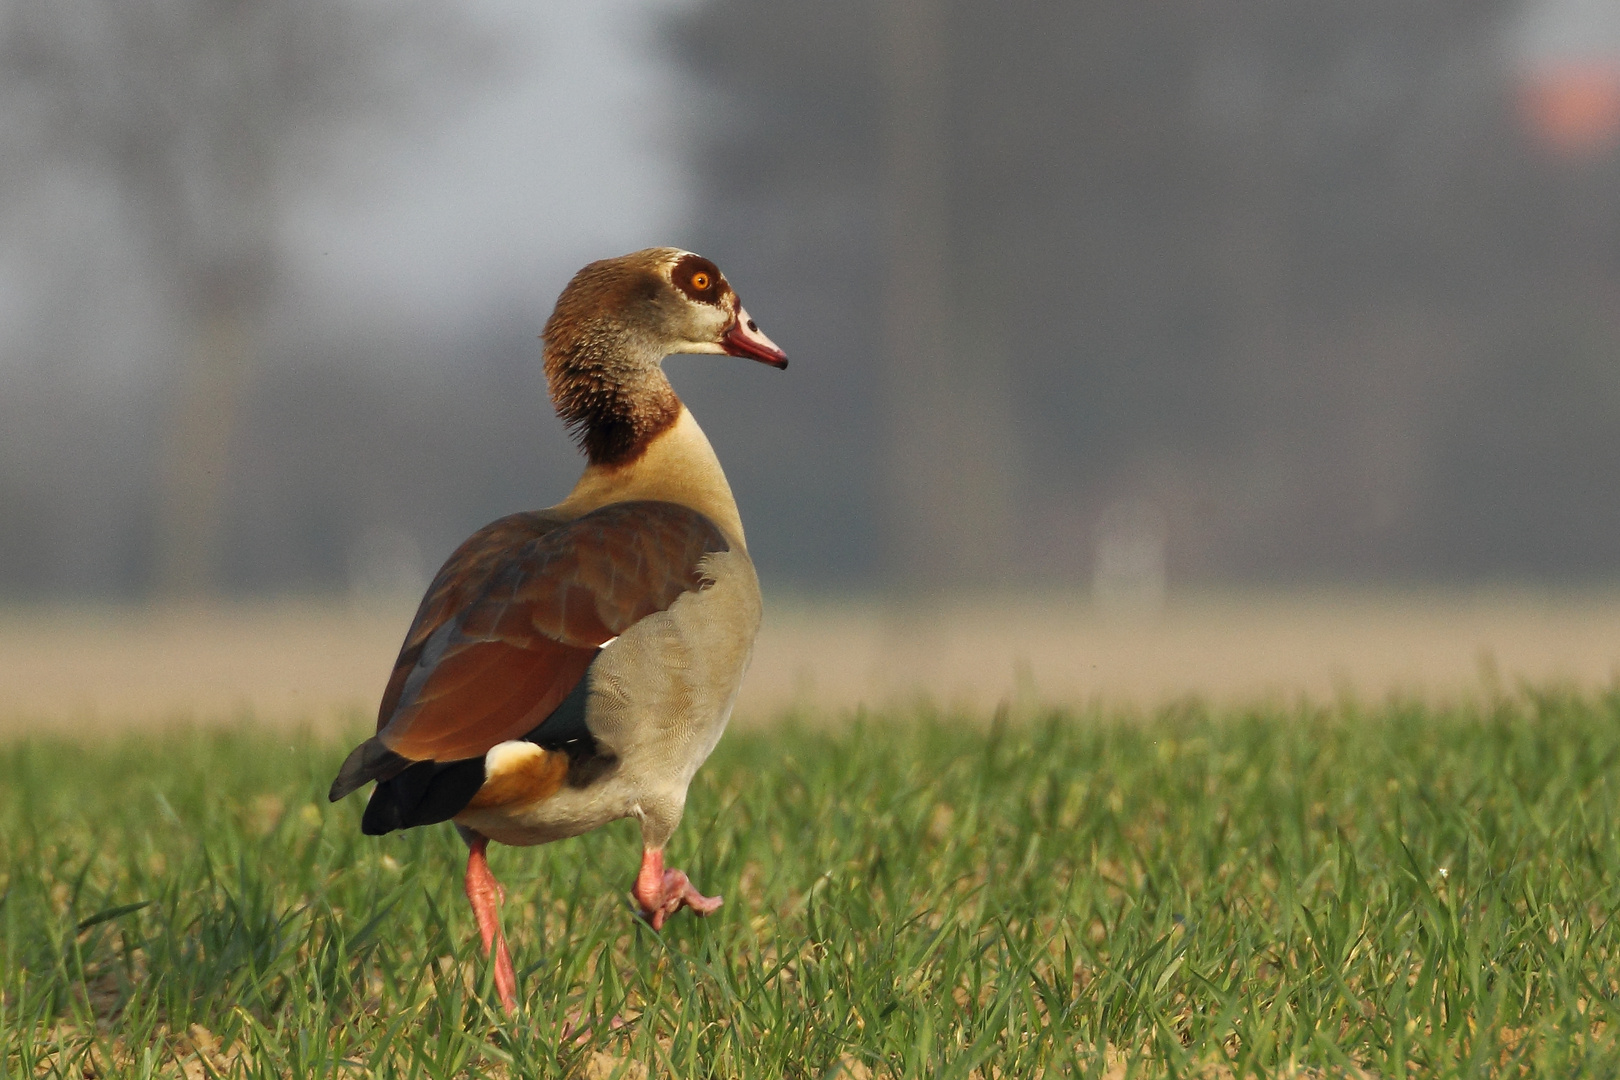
[700, 281]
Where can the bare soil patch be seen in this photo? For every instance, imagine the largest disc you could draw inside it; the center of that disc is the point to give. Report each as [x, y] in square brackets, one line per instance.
[325, 662]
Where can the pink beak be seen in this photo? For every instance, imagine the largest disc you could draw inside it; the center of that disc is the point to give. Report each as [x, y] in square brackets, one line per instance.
[744, 338]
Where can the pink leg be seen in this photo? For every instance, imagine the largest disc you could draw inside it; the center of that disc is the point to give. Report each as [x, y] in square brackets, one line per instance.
[486, 895]
[661, 893]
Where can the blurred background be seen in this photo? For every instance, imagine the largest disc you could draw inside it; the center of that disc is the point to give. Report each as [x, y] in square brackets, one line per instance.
[1114, 304]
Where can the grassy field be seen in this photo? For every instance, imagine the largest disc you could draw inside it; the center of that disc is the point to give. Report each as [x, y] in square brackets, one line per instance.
[1394, 891]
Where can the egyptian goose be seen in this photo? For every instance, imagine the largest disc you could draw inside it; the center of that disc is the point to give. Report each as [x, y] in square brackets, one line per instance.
[573, 666]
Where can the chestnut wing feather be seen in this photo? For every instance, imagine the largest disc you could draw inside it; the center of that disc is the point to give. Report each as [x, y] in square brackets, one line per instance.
[517, 614]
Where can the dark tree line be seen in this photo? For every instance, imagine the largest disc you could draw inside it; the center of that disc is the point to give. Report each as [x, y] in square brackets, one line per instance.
[1291, 277]
[1272, 292]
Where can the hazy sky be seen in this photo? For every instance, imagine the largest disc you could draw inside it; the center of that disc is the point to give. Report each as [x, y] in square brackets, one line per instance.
[569, 149]
[1570, 30]
[568, 152]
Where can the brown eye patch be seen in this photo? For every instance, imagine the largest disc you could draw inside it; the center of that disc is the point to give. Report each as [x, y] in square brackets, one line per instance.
[698, 278]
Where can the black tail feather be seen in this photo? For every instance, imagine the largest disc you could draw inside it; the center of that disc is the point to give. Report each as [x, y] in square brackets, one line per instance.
[371, 760]
[424, 793]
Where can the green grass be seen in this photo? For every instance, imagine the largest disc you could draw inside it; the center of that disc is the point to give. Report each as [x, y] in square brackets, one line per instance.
[1398, 891]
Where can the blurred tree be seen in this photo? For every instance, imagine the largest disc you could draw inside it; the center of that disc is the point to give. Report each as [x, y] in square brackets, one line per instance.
[947, 506]
[208, 117]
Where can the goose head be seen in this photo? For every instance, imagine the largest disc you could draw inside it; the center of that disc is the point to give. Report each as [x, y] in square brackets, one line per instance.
[612, 327]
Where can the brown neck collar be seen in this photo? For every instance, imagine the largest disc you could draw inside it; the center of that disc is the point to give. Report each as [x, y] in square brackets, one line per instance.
[613, 403]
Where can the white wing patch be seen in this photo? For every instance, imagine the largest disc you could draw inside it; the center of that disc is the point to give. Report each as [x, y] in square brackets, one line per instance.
[505, 756]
